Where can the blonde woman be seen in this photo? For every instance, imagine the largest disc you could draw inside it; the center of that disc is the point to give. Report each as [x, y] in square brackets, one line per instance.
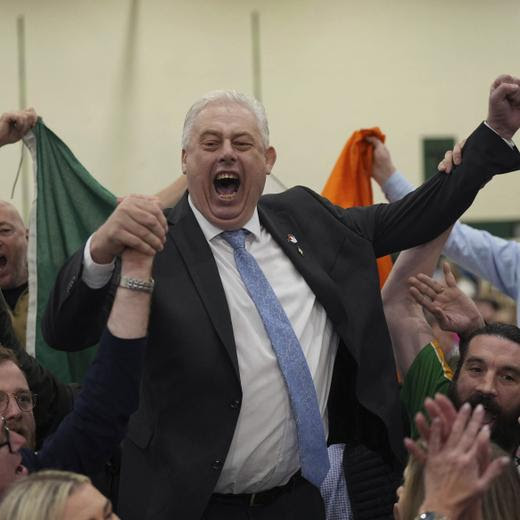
[55, 495]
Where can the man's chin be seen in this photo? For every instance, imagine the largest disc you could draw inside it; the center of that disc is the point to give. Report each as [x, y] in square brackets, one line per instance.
[228, 219]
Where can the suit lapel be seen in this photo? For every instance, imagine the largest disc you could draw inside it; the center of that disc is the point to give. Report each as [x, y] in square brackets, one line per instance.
[304, 256]
[201, 266]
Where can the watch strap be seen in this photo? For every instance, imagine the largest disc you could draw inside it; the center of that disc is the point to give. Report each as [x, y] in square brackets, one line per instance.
[135, 284]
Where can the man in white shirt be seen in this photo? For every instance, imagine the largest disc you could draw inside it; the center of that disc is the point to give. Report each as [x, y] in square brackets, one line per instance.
[216, 436]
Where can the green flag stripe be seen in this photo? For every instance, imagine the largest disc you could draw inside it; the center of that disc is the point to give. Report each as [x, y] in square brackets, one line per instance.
[69, 206]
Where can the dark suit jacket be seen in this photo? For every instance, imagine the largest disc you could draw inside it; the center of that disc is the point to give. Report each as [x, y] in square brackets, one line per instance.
[86, 438]
[191, 393]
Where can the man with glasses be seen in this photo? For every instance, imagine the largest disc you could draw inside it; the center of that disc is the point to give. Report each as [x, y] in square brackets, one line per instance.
[86, 437]
[16, 399]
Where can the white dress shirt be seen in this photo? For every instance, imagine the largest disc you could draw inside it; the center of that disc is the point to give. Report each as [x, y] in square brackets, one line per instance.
[264, 450]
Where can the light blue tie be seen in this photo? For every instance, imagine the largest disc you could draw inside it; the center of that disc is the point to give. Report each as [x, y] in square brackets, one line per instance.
[304, 403]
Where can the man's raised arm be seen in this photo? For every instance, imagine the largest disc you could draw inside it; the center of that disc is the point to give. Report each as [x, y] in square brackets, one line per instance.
[81, 299]
[487, 256]
[408, 327]
[433, 207]
[88, 435]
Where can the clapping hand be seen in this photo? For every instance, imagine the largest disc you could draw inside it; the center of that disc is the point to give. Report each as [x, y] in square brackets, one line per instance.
[458, 465]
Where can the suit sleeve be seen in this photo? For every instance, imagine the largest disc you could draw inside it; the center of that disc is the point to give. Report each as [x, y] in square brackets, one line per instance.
[86, 438]
[426, 212]
[489, 257]
[76, 315]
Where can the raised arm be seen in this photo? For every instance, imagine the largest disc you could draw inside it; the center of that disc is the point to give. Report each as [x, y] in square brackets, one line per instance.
[137, 222]
[88, 435]
[434, 206]
[487, 256]
[409, 330]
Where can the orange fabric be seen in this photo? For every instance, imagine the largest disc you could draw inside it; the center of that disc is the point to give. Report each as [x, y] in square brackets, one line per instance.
[350, 184]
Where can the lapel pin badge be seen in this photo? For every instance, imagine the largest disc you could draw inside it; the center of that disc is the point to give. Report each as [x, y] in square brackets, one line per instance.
[291, 238]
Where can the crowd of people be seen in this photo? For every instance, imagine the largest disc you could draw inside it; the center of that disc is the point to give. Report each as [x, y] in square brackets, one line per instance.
[249, 366]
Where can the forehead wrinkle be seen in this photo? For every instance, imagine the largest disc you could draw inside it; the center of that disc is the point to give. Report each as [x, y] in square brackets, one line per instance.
[219, 133]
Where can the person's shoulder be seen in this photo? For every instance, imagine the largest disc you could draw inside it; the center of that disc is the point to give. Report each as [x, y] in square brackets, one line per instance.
[431, 358]
[289, 193]
[175, 213]
[293, 198]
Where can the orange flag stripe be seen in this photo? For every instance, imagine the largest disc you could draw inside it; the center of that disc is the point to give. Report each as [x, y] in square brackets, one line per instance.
[349, 184]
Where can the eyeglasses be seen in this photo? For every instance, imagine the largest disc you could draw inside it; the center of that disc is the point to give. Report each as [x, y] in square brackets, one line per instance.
[25, 400]
[5, 436]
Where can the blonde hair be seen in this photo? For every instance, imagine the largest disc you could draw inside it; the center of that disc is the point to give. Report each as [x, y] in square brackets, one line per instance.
[500, 502]
[412, 495]
[40, 496]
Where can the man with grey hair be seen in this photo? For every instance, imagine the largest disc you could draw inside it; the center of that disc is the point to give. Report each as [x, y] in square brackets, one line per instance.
[13, 233]
[267, 333]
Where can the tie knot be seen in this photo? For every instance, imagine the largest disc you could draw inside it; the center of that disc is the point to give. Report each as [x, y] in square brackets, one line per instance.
[236, 239]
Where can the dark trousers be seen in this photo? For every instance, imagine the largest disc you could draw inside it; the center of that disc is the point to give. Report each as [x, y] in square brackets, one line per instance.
[301, 502]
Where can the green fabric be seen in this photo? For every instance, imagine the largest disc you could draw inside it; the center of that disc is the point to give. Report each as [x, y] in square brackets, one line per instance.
[70, 205]
[428, 375]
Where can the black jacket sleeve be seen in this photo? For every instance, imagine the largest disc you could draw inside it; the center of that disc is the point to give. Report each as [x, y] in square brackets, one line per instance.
[76, 315]
[88, 435]
[426, 212]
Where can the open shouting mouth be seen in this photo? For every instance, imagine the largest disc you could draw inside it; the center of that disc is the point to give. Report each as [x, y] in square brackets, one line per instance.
[226, 185]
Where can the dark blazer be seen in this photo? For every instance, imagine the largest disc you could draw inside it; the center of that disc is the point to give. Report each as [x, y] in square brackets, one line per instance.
[191, 393]
[87, 437]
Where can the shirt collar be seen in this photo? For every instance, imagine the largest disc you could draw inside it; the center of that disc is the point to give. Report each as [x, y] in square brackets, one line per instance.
[211, 231]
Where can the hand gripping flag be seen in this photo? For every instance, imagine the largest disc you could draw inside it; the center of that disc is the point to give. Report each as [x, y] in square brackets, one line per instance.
[349, 183]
